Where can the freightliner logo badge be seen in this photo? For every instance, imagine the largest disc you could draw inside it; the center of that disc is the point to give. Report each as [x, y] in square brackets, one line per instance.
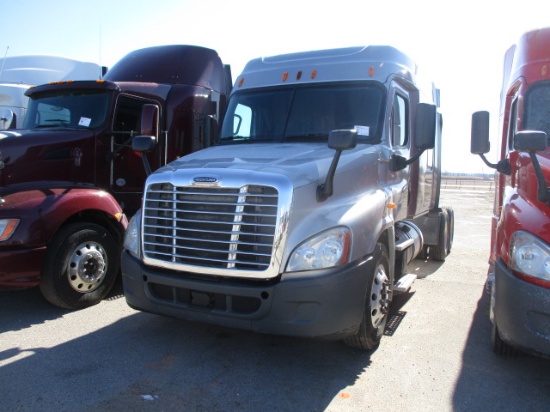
[205, 180]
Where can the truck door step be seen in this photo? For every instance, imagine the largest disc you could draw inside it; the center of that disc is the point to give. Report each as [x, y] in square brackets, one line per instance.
[404, 283]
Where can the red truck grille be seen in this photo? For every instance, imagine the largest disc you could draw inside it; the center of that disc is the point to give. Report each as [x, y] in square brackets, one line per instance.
[224, 228]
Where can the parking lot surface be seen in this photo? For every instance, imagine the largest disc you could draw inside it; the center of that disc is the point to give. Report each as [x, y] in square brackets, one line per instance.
[435, 357]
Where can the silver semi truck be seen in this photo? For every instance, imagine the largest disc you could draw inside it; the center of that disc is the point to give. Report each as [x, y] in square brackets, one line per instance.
[302, 217]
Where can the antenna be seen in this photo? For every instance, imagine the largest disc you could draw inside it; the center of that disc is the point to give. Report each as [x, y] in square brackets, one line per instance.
[100, 65]
[4, 61]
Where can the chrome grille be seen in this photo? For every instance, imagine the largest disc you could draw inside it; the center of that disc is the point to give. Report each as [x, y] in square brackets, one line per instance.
[223, 228]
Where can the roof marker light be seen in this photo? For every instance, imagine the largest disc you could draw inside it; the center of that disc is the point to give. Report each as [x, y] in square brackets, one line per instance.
[285, 76]
[241, 81]
[299, 75]
[313, 73]
[371, 71]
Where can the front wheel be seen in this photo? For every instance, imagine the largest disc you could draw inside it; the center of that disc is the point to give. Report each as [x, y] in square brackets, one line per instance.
[80, 267]
[377, 304]
[500, 347]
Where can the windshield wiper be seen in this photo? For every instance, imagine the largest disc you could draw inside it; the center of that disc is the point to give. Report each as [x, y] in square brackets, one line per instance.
[233, 139]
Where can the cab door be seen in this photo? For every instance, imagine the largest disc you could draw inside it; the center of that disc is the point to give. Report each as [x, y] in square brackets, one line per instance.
[127, 170]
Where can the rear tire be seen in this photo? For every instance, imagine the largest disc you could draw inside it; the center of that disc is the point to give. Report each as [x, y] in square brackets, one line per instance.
[441, 250]
[451, 228]
[377, 302]
[80, 267]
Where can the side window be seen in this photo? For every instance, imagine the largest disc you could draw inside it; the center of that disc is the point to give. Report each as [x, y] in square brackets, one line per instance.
[399, 122]
[242, 121]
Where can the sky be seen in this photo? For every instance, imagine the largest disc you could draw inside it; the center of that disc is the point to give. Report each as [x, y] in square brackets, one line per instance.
[461, 44]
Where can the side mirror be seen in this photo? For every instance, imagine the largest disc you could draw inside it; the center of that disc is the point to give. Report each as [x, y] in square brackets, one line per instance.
[424, 135]
[480, 144]
[143, 144]
[148, 137]
[480, 133]
[338, 140]
[149, 120]
[342, 139]
[7, 119]
[425, 126]
[530, 141]
[533, 141]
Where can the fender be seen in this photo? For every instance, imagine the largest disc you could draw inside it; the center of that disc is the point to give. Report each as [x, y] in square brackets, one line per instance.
[43, 210]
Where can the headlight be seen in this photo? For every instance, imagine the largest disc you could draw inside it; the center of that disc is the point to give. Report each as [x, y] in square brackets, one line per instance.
[133, 235]
[530, 255]
[7, 227]
[327, 249]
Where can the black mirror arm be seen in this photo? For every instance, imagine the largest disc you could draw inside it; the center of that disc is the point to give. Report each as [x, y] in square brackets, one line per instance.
[503, 166]
[398, 162]
[324, 191]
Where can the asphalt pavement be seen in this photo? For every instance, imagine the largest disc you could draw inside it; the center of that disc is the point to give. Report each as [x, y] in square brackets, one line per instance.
[436, 354]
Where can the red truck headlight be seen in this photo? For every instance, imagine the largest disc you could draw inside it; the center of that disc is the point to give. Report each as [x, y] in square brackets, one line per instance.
[530, 256]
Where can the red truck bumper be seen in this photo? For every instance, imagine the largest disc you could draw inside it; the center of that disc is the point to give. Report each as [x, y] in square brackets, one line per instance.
[21, 268]
[522, 312]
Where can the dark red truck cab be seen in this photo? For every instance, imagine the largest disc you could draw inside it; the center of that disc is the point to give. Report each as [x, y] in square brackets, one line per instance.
[70, 179]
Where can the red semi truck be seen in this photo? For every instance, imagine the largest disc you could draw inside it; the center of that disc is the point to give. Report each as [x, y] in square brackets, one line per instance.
[519, 263]
[69, 180]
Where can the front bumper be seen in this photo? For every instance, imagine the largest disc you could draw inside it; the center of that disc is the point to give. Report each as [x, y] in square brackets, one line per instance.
[324, 304]
[21, 268]
[521, 312]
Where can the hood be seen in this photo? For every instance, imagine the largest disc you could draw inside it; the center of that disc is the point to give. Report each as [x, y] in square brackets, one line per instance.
[302, 163]
[55, 154]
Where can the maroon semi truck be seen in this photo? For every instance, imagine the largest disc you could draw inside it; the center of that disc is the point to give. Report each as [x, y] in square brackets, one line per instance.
[69, 180]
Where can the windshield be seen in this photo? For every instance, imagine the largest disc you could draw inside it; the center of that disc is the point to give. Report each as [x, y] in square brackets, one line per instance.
[303, 113]
[74, 110]
[537, 109]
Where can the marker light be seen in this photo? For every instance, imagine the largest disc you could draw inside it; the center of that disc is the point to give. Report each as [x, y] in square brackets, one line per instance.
[7, 227]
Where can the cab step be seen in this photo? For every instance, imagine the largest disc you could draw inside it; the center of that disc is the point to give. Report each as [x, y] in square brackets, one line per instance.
[403, 285]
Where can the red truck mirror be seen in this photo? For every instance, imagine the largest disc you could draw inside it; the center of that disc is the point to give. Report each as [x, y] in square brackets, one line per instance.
[480, 133]
[530, 141]
[533, 141]
[481, 145]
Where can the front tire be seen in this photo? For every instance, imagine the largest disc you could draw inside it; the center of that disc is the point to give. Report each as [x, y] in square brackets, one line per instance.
[377, 304]
[500, 347]
[80, 267]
